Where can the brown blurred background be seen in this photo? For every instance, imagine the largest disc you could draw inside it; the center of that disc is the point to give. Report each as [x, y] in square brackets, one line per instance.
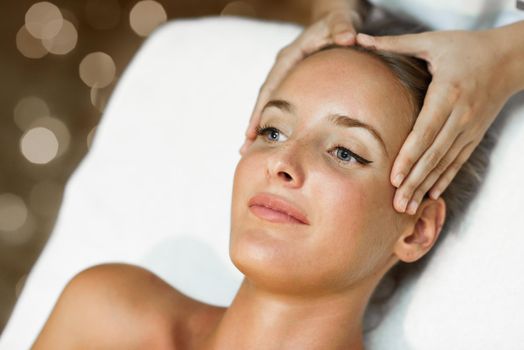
[59, 62]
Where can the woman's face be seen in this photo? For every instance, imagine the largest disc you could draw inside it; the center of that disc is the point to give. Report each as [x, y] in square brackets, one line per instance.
[308, 160]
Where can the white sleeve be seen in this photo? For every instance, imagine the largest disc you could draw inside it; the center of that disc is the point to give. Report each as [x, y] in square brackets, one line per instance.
[452, 14]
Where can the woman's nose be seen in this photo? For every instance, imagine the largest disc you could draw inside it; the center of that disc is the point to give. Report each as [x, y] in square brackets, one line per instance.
[286, 166]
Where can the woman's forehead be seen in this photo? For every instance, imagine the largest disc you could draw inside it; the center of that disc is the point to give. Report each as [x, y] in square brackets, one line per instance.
[348, 75]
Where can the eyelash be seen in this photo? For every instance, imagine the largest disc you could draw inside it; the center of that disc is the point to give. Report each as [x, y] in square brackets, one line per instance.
[261, 130]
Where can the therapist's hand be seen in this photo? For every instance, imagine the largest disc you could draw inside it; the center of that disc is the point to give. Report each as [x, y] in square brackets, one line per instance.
[338, 26]
[470, 85]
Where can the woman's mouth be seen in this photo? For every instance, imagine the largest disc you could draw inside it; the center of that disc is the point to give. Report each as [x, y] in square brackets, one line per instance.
[275, 208]
[273, 215]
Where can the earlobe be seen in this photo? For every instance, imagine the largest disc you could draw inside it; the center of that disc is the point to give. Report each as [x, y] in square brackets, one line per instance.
[423, 232]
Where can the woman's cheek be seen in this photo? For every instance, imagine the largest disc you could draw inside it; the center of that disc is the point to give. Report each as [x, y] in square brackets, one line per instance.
[358, 198]
[343, 195]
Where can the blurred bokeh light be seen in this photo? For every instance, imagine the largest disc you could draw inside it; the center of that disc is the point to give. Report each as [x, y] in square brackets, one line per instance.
[28, 45]
[100, 96]
[97, 70]
[146, 16]
[64, 41]
[39, 145]
[58, 128]
[43, 20]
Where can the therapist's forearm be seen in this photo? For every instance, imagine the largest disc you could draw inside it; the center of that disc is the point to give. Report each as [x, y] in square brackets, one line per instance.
[511, 37]
[319, 8]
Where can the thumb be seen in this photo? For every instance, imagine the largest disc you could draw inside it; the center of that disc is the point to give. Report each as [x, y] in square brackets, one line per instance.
[411, 44]
[341, 28]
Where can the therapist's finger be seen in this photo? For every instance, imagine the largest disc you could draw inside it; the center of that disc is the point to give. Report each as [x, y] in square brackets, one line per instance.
[448, 176]
[429, 160]
[407, 193]
[414, 44]
[445, 163]
[435, 112]
[342, 28]
[434, 175]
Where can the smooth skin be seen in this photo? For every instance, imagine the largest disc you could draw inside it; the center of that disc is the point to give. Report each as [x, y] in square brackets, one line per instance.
[474, 74]
[305, 286]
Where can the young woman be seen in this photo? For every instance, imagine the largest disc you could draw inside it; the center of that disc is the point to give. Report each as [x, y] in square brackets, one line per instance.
[312, 225]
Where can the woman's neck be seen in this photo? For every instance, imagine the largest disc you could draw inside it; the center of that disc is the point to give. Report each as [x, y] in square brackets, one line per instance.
[258, 319]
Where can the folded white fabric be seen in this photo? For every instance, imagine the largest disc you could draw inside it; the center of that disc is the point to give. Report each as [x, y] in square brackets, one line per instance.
[155, 190]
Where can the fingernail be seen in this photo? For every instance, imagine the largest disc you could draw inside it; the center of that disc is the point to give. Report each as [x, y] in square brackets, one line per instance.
[344, 37]
[365, 39]
[398, 180]
[412, 208]
[401, 203]
[435, 194]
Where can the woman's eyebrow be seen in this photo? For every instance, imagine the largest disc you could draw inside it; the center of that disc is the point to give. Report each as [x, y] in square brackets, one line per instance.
[280, 104]
[337, 119]
[345, 121]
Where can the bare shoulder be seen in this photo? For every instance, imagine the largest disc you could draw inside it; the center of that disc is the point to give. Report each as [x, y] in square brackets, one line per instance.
[122, 306]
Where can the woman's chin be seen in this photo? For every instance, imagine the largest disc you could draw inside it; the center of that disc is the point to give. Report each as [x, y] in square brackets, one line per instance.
[263, 258]
[257, 246]
[272, 263]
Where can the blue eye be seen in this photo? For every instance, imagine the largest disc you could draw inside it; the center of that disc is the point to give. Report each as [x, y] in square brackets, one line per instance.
[344, 155]
[266, 130]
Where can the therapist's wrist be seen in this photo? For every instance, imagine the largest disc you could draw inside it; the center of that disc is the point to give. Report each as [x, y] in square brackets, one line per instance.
[511, 43]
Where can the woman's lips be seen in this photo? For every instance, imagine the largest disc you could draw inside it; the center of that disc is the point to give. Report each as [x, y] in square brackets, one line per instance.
[273, 215]
[276, 209]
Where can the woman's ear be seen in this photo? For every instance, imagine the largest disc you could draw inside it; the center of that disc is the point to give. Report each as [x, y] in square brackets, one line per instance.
[422, 232]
